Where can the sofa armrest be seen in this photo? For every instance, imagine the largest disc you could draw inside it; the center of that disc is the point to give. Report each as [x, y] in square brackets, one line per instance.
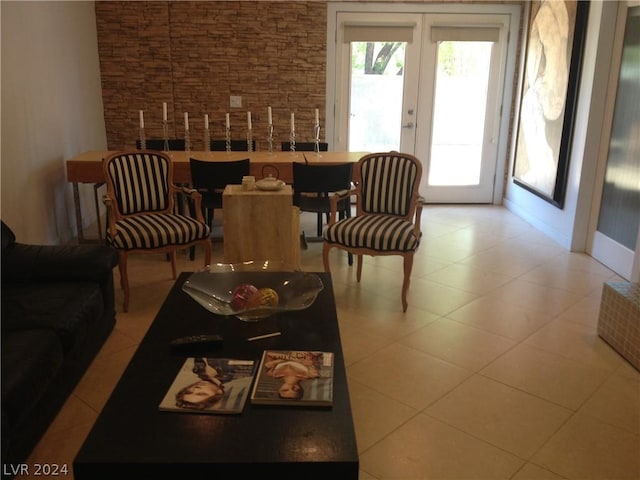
[23, 262]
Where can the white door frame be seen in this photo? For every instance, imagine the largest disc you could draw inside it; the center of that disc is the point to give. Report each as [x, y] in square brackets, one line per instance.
[335, 97]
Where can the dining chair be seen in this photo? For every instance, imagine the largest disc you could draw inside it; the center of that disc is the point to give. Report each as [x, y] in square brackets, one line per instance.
[140, 204]
[387, 218]
[211, 178]
[305, 146]
[314, 185]
[175, 144]
[236, 145]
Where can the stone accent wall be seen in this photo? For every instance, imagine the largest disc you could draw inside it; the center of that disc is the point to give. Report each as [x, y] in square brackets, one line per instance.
[195, 55]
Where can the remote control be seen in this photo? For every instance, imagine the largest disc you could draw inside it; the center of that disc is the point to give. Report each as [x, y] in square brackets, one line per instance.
[212, 340]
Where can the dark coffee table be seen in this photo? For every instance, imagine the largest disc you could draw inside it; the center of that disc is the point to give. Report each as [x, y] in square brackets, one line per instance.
[132, 439]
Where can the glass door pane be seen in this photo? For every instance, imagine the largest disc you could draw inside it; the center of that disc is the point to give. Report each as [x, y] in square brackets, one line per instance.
[376, 95]
[460, 105]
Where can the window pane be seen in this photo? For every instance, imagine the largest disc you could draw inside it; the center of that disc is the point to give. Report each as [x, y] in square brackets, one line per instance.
[460, 105]
[377, 83]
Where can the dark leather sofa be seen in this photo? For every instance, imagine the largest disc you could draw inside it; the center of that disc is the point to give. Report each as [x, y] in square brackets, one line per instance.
[57, 310]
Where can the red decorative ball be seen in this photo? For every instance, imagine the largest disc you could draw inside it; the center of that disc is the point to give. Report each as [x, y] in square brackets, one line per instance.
[264, 297]
[240, 295]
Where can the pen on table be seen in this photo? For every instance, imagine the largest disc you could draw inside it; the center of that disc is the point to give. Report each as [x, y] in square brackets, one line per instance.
[260, 337]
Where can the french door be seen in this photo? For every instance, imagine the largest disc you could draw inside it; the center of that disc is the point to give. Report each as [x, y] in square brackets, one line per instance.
[615, 222]
[430, 84]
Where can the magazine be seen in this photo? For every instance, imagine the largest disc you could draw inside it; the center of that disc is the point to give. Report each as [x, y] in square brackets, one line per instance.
[294, 377]
[210, 385]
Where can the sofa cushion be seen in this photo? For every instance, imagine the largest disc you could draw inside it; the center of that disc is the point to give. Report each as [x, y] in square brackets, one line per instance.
[30, 362]
[67, 308]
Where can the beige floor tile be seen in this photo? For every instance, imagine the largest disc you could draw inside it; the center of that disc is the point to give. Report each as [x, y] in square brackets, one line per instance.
[560, 380]
[586, 311]
[531, 296]
[74, 412]
[407, 375]
[368, 404]
[557, 275]
[58, 447]
[436, 298]
[426, 448]
[468, 278]
[589, 449]
[392, 327]
[97, 384]
[358, 343]
[534, 472]
[495, 316]
[500, 415]
[617, 402]
[576, 341]
[459, 344]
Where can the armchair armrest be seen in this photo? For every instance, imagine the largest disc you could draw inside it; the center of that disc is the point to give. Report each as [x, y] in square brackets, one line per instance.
[340, 195]
[23, 262]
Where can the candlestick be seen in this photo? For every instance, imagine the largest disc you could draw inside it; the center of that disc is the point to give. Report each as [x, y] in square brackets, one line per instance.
[249, 140]
[165, 134]
[143, 140]
[270, 137]
[228, 139]
[164, 111]
[207, 134]
[141, 119]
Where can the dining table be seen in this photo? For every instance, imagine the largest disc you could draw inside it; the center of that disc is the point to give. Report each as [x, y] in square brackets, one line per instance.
[86, 168]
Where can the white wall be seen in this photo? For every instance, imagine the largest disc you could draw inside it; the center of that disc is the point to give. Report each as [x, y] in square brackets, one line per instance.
[569, 225]
[51, 111]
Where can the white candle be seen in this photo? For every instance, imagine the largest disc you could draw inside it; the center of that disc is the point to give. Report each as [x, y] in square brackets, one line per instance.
[317, 117]
[164, 111]
[293, 126]
[249, 120]
[141, 119]
[206, 121]
[228, 123]
[186, 121]
[269, 116]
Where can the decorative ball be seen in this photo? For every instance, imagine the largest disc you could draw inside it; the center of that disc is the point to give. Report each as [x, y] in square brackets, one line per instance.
[241, 294]
[264, 297]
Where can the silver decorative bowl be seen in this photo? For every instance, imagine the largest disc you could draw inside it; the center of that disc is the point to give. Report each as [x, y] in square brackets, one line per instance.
[273, 287]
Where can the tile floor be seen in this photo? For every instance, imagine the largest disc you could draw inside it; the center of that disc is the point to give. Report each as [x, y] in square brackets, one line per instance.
[494, 372]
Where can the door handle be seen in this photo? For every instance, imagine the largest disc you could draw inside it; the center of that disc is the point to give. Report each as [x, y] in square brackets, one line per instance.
[408, 125]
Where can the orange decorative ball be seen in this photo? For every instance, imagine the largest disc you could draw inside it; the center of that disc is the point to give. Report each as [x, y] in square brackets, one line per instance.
[264, 297]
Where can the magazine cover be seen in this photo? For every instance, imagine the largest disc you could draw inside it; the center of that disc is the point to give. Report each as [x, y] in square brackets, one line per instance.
[210, 385]
[293, 377]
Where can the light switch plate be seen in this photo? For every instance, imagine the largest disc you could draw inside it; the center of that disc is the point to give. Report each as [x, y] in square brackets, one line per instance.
[235, 101]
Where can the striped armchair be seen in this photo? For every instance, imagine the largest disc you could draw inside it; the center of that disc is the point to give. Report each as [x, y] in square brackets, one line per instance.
[388, 209]
[140, 206]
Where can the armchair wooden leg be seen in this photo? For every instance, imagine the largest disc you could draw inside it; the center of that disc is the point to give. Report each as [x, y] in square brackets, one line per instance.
[124, 279]
[173, 263]
[359, 266]
[207, 252]
[408, 266]
[325, 257]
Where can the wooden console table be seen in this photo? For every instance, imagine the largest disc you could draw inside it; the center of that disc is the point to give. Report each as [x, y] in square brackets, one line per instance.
[260, 225]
